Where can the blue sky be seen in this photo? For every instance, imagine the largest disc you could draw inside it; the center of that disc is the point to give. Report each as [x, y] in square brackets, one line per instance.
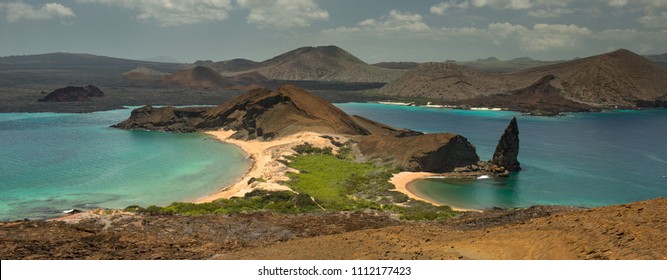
[373, 30]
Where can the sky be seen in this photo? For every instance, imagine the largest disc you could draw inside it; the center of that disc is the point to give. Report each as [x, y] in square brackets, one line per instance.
[373, 30]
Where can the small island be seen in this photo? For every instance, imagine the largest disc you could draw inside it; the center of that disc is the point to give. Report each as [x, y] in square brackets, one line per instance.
[272, 126]
[73, 94]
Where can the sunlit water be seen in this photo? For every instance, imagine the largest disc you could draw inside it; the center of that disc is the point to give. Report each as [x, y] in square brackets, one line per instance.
[53, 162]
[584, 159]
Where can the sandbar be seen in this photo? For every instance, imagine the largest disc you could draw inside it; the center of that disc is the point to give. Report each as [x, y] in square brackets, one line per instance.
[266, 169]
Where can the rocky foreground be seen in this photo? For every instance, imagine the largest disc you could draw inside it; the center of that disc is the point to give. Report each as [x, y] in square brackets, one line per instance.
[631, 231]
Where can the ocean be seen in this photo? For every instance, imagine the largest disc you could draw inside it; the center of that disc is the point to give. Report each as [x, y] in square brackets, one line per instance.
[581, 159]
[52, 162]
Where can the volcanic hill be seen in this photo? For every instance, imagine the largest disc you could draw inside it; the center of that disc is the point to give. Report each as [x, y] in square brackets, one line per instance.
[324, 63]
[199, 77]
[265, 115]
[616, 79]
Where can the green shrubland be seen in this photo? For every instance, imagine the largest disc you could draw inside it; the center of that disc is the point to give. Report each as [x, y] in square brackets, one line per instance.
[325, 182]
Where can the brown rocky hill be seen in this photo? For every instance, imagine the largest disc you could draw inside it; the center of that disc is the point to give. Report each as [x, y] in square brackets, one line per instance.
[265, 114]
[447, 81]
[72, 93]
[617, 79]
[540, 98]
[325, 63]
[199, 77]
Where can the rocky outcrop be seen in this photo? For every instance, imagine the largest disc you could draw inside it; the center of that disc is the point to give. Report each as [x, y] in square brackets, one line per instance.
[507, 151]
[73, 94]
[438, 152]
[415, 151]
[165, 119]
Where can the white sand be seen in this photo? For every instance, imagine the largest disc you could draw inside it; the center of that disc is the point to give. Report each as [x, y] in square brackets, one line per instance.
[402, 179]
[265, 156]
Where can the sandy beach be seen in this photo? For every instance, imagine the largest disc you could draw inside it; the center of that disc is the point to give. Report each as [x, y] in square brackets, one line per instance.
[265, 164]
[402, 179]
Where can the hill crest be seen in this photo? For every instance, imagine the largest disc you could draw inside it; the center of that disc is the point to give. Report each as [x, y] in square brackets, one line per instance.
[616, 79]
[324, 63]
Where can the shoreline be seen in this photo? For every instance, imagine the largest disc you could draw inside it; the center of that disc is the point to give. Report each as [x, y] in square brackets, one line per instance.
[402, 179]
[266, 172]
[265, 155]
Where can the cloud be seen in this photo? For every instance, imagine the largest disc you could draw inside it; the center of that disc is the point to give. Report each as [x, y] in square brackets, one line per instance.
[654, 21]
[395, 22]
[441, 8]
[541, 38]
[542, 8]
[641, 3]
[549, 13]
[504, 4]
[282, 14]
[174, 12]
[18, 11]
[617, 3]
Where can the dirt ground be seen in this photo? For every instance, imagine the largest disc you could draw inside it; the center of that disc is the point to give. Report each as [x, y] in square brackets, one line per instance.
[631, 231]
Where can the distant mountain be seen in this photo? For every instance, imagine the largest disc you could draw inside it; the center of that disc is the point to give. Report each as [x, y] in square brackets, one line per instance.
[144, 74]
[397, 65]
[162, 58]
[620, 78]
[57, 69]
[60, 60]
[487, 64]
[660, 59]
[232, 65]
[497, 65]
[329, 63]
[199, 77]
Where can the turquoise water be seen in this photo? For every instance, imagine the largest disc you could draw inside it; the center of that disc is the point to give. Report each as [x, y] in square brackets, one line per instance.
[53, 162]
[584, 159]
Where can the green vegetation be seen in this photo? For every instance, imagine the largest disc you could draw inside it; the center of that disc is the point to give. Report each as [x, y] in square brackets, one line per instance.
[258, 200]
[337, 183]
[325, 182]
